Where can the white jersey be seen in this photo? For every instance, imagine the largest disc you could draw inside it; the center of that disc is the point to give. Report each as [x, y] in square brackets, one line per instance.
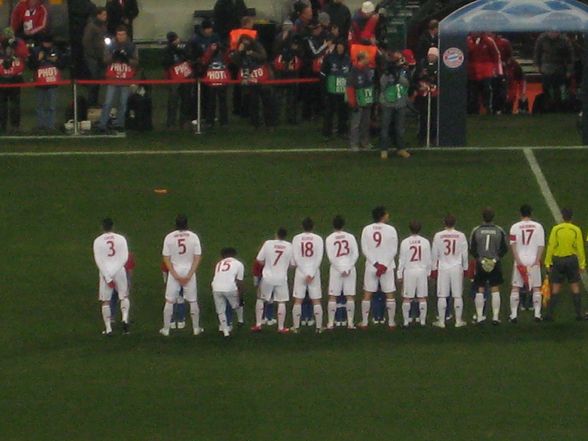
[528, 236]
[415, 253]
[181, 246]
[307, 253]
[379, 243]
[342, 250]
[275, 255]
[110, 253]
[226, 273]
[450, 249]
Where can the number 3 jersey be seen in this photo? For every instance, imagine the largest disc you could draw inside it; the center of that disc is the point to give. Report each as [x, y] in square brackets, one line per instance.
[111, 254]
[527, 236]
[275, 255]
[450, 249]
[307, 253]
[415, 254]
[181, 247]
[342, 250]
[226, 274]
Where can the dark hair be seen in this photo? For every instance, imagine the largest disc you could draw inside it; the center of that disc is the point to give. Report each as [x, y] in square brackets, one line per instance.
[414, 226]
[526, 210]
[181, 222]
[433, 24]
[228, 252]
[338, 222]
[450, 220]
[567, 214]
[206, 24]
[100, 10]
[122, 28]
[307, 224]
[487, 214]
[378, 213]
[281, 233]
[107, 224]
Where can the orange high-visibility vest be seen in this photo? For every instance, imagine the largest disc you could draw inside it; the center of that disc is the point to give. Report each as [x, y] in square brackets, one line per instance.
[236, 34]
[371, 50]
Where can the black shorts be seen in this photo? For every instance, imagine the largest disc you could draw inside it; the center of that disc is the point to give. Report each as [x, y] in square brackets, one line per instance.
[494, 277]
[565, 268]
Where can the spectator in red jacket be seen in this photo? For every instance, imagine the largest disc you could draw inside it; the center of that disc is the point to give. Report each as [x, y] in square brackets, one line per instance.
[29, 19]
[364, 24]
[499, 83]
[483, 66]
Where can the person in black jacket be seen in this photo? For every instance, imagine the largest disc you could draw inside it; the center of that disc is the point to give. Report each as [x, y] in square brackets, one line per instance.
[227, 16]
[121, 12]
[340, 16]
[176, 63]
[429, 39]
[335, 69]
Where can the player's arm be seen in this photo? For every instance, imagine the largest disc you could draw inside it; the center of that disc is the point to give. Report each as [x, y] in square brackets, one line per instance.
[239, 277]
[435, 253]
[195, 264]
[463, 248]
[101, 264]
[365, 247]
[170, 268]
[550, 246]
[354, 250]
[503, 245]
[474, 244]
[401, 261]
[394, 249]
[428, 260]
[318, 258]
[581, 252]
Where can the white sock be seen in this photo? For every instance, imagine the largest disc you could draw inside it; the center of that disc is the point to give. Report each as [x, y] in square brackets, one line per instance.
[458, 307]
[168, 311]
[423, 311]
[125, 305]
[495, 305]
[514, 304]
[258, 312]
[106, 317]
[239, 311]
[391, 307]
[350, 306]
[365, 311]
[296, 313]
[222, 319]
[195, 314]
[281, 315]
[442, 309]
[331, 310]
[318, 315]
[479, 302]
[406, 312]
[537, 303]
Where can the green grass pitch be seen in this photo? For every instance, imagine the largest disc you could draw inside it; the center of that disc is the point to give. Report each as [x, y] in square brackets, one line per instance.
[61, 380]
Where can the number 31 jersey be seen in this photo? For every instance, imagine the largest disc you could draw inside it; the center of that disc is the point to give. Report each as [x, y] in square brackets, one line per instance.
[528, 236]
[450, 249]
[181, 247]
[342, 250]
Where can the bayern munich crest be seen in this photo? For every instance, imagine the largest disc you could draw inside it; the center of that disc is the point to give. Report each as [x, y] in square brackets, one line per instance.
[453, 58]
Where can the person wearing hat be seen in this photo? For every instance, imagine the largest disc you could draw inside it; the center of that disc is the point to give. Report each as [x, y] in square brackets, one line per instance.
[177, 66]
[339, 15]
[364, 24]
[121, 12]
[335, 69]
[47, 61]
[94, 44]
[13, 55]
[426, 87]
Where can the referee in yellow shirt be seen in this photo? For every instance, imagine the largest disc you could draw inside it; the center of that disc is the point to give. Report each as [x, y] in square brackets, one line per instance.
[565, 258]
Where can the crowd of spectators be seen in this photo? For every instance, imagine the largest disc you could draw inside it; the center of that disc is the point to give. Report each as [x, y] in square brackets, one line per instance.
[368, 87]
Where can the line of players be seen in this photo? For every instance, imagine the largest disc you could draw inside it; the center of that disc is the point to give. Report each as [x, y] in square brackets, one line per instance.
[446, 260]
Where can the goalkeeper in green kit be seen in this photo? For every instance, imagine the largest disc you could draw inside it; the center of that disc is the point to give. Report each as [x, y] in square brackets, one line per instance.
[488, 245]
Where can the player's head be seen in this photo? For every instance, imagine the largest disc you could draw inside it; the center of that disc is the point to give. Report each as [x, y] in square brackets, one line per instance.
[379, 214]
[414, 226]
[526, 210]
[307, 224]
[281, 233]
[181, 222]
[488, 214]
[567, 214]
[107, 224]
[338, 222]
[228, 252]
[449, 221]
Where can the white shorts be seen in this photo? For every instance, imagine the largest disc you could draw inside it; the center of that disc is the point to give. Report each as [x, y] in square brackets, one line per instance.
[300, 287]
[121, 286]
[280, 292]
[450, 282]
[386, 280]
[222, 298]
[534, 273]
[173, 287]
[415, 284]
[339, 284]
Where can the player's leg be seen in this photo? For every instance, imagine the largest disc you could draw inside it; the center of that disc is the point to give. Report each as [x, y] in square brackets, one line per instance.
[349, 285]
[335, 289]
[123, 293]
[191, 296]
[456, 289]
[422, 292]
[443, 289]
[495, 281]
[104, 296]
[299, 293]
[281, 296]
[220, 305]
[515, 293]
[264, 292]
[315, 294]
[479, 299]
[370, 286]
[114, 299]
[388, 285]
[172, 289]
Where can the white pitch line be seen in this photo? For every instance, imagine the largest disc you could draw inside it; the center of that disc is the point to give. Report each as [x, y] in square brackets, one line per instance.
[270, 151]
[543, 185]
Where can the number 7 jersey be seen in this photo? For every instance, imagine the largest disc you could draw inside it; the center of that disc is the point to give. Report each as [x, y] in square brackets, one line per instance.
[275, 255]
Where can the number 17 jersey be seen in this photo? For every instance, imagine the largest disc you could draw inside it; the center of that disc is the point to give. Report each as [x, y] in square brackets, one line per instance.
[528, 236]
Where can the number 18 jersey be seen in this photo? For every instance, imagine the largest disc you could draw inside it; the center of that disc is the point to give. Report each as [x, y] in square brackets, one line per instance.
[307, 252]
[528, 236]
[181, 247]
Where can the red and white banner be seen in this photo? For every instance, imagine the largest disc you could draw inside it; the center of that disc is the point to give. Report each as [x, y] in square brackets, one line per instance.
[120, 71]
[180, 71]
[48, 75]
